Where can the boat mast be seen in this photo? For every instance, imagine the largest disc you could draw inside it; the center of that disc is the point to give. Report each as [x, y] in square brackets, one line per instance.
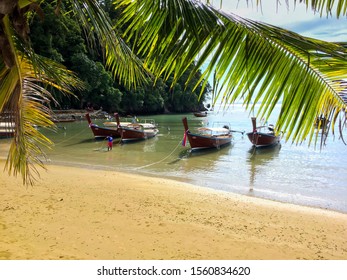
[254, 123]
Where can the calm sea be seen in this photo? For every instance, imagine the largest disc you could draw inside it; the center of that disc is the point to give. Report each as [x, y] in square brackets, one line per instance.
[287, 173]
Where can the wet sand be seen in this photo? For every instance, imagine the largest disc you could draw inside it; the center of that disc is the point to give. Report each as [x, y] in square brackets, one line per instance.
[75, 213]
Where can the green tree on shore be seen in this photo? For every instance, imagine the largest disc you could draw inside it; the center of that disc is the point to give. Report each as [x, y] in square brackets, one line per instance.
[302, 72]
[61, 39]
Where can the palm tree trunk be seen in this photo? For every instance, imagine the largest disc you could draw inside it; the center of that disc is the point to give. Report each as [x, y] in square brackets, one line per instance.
[6, 8]
[5, 47]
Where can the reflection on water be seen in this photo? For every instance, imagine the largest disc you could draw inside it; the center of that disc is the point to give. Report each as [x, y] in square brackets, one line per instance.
[201, 160]
[289, 173]
[258, 160]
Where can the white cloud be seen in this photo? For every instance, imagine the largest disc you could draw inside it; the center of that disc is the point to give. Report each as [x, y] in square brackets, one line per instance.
[295, 18]
[325, 29]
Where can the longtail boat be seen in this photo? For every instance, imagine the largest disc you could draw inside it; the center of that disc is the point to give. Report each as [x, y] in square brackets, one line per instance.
[263, 136]
[135, 131]
[200, 114]
[102, 132]
[146, 123]
[206, 138]
[7, 129]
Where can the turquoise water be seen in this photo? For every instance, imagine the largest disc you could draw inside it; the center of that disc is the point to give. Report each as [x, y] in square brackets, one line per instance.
[288, 173]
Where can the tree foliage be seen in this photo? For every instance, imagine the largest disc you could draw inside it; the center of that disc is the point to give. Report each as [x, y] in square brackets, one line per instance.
[61, 39]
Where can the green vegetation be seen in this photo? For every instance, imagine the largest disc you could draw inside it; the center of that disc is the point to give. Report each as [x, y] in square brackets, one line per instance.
[61, 39]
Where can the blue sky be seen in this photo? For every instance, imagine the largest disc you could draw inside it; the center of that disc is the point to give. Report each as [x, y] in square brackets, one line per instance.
[294, 18]
[297, 19]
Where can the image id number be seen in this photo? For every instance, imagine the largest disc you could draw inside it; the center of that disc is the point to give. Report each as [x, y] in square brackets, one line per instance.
[220, 270]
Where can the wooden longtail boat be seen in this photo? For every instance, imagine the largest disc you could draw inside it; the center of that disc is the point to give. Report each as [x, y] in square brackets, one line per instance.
[135, 131]
[6, 129]
[146, 123]
[6, 133]
[261, 138]
[206, 137]
[200, 114]
[102, 132]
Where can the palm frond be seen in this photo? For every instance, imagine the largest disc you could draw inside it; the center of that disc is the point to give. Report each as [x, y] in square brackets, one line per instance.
[327, 8]
[28, 108]
[25, 152]
[251, 61]
[119, 57]
[24, 98]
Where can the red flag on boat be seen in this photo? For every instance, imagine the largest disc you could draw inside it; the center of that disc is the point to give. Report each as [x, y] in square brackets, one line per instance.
[184, 141]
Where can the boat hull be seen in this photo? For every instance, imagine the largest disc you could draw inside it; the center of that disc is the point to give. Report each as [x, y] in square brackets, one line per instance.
[133, 134]
[102, 132]
[6, 133]
[135, 131]
[198, 142]
[259, 139]
[200, 114]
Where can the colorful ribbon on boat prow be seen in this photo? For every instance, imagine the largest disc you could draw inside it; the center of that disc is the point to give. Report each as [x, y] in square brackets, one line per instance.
[184, 141]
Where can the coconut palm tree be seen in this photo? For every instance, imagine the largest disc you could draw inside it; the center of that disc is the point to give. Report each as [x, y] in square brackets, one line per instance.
[250, 60]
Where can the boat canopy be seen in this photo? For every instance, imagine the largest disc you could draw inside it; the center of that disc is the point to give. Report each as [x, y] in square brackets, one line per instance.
[214, 130]
[7, 124]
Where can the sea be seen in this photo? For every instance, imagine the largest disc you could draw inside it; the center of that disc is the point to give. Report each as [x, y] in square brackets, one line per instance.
[299, 174]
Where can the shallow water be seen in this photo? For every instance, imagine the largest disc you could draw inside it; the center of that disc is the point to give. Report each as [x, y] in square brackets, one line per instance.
[288, 173]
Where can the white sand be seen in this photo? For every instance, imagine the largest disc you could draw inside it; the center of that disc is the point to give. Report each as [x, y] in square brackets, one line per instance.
[74, 213]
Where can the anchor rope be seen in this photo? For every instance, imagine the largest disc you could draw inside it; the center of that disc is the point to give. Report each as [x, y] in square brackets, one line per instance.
[103, 143]
[153, 163]
[75, 135]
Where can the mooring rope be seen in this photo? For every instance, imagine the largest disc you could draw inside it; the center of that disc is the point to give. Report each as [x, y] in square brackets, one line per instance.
[179, 143]
[153, 163]
[102, 145]
[73, 136]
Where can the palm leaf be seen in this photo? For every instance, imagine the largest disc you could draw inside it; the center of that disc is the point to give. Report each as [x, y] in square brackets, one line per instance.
[28, 108]
[324, 7]
[252, 61]
[119, 57]
[24, 98]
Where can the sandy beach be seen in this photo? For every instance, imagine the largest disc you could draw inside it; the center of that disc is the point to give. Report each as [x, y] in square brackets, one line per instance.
[75, 213]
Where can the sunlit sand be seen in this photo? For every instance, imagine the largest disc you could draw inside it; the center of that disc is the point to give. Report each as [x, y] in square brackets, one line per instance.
[74, 213]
